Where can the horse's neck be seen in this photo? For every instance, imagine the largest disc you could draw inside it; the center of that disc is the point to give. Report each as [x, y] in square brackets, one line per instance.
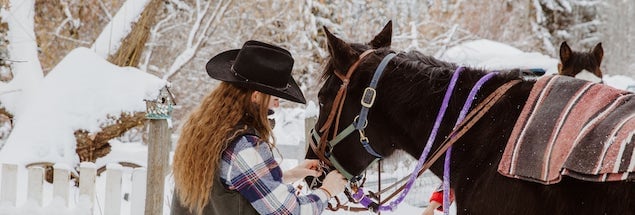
[418, 110]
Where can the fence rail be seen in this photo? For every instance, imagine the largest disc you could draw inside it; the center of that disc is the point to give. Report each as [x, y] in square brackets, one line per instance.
[63, 186]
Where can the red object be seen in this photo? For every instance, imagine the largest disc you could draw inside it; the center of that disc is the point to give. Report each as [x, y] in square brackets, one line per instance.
[437, 196]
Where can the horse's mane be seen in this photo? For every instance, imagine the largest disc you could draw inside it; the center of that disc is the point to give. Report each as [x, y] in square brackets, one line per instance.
[414, 60]
[415, 65]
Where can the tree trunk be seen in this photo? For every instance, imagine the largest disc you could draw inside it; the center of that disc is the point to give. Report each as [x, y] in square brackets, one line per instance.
[132, 46]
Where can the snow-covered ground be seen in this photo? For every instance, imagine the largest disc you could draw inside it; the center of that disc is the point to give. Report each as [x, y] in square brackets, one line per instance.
[84, 89]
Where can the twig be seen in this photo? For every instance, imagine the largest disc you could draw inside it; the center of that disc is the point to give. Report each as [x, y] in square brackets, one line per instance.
[70, 39]
[103, 7]
[14, 61]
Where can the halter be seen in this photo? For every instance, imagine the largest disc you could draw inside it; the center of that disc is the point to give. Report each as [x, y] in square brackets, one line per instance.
[359, 123]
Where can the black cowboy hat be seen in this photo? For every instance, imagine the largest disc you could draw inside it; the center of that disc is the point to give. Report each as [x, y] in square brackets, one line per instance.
[259, 66]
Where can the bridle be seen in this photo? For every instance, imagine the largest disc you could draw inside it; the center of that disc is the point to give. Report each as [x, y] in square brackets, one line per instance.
[358, 124]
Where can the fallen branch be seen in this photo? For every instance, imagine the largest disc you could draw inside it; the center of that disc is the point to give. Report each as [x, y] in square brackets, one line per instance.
[93, 146]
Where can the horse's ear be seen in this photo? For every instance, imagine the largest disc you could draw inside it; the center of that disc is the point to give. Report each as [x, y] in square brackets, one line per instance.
[565, 52]
[598, 53]
[341, 52]
[384, 37]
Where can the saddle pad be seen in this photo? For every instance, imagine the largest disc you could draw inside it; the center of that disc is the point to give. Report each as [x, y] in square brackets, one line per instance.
[575, 128]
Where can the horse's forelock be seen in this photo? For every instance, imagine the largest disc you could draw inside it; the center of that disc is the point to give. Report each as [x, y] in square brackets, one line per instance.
[583, 60]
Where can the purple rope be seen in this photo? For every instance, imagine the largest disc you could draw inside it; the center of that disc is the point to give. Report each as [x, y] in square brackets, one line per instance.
[365, 201]
[448, 153]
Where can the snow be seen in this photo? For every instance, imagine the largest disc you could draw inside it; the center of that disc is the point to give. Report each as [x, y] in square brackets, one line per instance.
[23, 51]
[79, 93]
[498, 56]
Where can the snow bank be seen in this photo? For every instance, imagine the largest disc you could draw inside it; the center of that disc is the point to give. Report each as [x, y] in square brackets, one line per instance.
[79, 93]
[498, 56]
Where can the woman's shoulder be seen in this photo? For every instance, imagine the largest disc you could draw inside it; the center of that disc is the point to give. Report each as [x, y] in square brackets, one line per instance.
[247, 141]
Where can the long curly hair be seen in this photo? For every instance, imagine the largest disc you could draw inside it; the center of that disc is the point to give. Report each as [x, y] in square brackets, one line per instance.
[207, 133]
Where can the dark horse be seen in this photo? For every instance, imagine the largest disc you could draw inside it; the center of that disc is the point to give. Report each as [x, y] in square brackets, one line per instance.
[409, 94]
[583, 65]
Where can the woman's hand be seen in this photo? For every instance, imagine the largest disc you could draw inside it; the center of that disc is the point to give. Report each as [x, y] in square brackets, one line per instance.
[308, 167]
[334, 183]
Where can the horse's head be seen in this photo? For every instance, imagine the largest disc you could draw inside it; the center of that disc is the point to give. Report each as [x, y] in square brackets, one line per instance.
[582, 65]
[336, 138]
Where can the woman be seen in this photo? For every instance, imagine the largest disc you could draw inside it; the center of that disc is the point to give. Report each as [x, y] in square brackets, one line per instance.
[223, 163]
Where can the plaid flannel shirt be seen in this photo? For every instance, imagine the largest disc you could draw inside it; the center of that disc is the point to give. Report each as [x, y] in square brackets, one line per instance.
[249, 167]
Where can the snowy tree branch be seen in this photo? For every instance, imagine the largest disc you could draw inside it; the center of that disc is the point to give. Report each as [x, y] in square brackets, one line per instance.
[103, 7]
[70, 39]
[73, 22]
[154, 33]
[193, 43]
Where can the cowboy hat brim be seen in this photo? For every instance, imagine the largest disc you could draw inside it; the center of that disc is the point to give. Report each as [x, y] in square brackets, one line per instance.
[220, 68]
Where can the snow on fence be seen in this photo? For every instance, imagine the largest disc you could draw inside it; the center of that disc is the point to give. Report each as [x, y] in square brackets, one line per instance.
[62, 188]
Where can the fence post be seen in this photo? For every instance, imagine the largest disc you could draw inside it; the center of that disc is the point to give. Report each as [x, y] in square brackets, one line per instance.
[87, 176]
[9, 183]
[158, 111]
[36, 179]
[113, 189]
[158, 150]
[61, 180]
[137, 196]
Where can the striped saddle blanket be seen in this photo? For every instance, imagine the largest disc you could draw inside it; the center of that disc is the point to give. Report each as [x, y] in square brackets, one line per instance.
[572, 127]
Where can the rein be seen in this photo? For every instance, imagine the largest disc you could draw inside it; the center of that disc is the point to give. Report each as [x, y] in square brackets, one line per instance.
[472, 118]
[433, 134]
[459, 130]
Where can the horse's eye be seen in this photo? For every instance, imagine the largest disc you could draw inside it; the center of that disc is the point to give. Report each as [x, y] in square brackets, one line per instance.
[321, 104]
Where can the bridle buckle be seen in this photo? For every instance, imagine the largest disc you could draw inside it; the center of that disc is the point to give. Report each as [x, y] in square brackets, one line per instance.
[369, 97]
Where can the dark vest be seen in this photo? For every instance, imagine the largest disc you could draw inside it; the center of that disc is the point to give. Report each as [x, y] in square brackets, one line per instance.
[222, 200]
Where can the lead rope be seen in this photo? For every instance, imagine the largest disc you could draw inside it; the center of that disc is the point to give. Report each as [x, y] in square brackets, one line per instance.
[448, 154]
[473, 116]
[364, 200]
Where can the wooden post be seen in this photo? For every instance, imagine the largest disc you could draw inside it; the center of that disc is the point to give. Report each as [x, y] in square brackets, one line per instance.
[61, 180]
[137, 196]
[114, 172]
[87, 180]
[36, 180]
[158, 150]
[9, 183]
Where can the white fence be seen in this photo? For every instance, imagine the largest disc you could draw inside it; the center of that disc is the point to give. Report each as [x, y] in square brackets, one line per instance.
[62, 188]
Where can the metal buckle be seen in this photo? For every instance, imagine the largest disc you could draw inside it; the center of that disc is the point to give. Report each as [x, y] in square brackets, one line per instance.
[362, 137]
[369, 97]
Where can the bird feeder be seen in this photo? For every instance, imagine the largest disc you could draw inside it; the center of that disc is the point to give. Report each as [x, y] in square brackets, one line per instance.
[161, 107]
